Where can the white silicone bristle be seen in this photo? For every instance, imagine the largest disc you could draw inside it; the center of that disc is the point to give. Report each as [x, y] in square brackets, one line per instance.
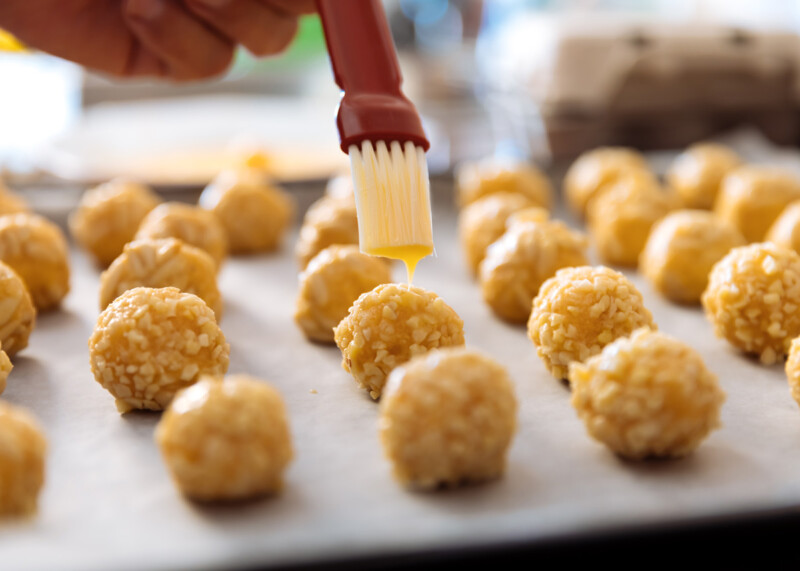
[392, 193]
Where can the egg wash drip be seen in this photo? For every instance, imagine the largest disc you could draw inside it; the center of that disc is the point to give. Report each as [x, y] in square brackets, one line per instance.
[393, 203]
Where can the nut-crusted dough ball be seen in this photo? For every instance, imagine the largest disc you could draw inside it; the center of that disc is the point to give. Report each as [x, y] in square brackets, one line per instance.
[168, 262]
[595, 169]
[581, 310]
[478, 179]
[329, 285]
[254, 212]
[785, 231]
[5, 369]
[753, 299]
[192, 224]
[621, 217]
[682, 249]
[108, 217]
[695, 175]
[525, 256]
[226, 439]
[448, 417]
[36, 249]
[484, 221]
[327, 222]
[149, 343]
[648, 395]
[793, 369]
[388, 326]
[752, 197]
[22, 460]
[17, 313]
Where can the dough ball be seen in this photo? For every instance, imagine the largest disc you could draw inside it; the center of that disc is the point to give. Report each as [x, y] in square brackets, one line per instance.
[484, 221]
[682, 249]
[696, 173]
[793, 369]
[752, 197]
[581, 310]
[108, 216]
[525, 256]
[478, 179]
[341, 187]
[595, 169]
[149, 343]
[226, 439]
[167, 262]
[22, 460]
[36, 249]
[193, 225]
[448, 417]
[17, 312]
[621, 217]
[255, 213]
[388, 326]
[329, 285]
[647, 395]
[5, 370]
[327, 222]
[785, 231]
[753, 297]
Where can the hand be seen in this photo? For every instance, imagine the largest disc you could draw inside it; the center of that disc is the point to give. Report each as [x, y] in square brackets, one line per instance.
[175, 39]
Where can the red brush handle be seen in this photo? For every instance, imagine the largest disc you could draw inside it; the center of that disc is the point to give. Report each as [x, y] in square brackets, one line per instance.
[365, 66]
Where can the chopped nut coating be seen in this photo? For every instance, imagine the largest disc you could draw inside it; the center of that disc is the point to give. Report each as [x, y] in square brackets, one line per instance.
[193, 225]
[681, 250]
[167, 262]
[327, 222]
[648, 395]
[17, 313]
[448, 417]
[36, 249]
[478, 179]
[149, 343]
[22, 460]
[226, 439]
[254, 212]
[388, 326]
[108, 217]
[752, 299]
[581, 310]
[329, 285]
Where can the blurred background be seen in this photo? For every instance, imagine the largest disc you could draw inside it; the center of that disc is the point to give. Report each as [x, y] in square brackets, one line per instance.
[541, 79]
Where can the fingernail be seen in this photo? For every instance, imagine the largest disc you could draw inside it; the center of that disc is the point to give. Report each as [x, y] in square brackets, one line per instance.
[145, 9]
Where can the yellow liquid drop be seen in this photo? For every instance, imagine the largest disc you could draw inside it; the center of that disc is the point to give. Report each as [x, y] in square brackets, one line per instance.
[410, 255]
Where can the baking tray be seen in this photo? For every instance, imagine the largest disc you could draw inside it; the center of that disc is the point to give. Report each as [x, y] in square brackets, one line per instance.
[109, 503]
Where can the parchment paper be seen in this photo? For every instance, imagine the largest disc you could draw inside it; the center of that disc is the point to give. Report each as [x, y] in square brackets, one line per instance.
[109, 503]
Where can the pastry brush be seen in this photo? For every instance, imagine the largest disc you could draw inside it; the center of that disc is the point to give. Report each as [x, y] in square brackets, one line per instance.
[380, 129]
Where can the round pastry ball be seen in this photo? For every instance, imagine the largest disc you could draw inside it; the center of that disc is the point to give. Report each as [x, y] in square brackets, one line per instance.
[647, 395]
[388, 326]
[753, 297]
[36, 249]
[255, 213]
[581, 310]
[149, 343]
[17, 312]
[681, 250]
[22, 460]
[785, 231]
[327, 222]
[226, 439]
[484, 221]
[167, 262]
[752, 197]
[525, 256]
[478, 179]
[108, 216]
[5, 370]
[793, 369]
[695, 175]
[595, 169]
[448, 417]
[621, 217]
[192, 224]
[329, 285]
